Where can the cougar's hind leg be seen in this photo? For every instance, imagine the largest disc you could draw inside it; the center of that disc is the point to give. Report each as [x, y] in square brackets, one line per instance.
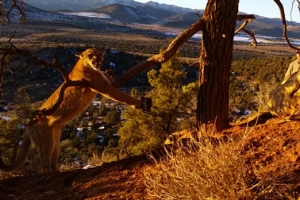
[41, 136]
[46, 148]
[55, 154]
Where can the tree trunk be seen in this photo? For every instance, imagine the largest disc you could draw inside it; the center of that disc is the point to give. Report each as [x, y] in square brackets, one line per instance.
[215, 62]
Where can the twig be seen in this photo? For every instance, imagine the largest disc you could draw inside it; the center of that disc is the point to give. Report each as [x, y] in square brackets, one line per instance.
[282, 15]
[17, 4]
[246, 19]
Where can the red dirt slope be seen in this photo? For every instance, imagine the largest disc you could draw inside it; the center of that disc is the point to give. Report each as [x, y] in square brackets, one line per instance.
[266, 144]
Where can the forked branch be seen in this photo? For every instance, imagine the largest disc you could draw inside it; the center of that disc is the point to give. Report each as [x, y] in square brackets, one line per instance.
[20, 5]
[246, 18]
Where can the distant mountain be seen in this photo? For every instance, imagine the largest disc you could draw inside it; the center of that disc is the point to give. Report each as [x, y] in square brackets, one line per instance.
[36, 14]
[157, 12]
[183, 20]
[80, 5]
[126, 14]
[130, 11]
[261, 25]
[171, 8]
[32, 13]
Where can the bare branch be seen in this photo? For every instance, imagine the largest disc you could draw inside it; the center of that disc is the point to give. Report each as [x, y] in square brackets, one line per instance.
[247, 18]
[252, 35]
[32, 58]
[46, 112]
[178, 41]
[165, 55]
[67, 83]
[243, 25]
[292, 9]
[10, 39]
[194, 64]
[198, 14]
[282, 14]
[20, 6]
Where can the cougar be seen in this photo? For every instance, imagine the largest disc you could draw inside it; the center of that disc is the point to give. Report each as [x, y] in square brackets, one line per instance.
[45, 133]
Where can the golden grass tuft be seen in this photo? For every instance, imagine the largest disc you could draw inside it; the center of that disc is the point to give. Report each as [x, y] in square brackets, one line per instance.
[95, 160]
[211, 168]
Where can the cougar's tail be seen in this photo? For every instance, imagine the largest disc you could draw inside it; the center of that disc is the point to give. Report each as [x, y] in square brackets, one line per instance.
[21, 157]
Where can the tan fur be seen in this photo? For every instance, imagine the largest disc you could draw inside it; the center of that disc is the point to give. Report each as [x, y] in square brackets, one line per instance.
[46, 133]
[284, 100]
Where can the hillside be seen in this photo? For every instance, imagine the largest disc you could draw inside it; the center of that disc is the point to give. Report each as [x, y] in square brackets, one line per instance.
[90, 4]
[271, 147]
[183, 20]
[126, 14]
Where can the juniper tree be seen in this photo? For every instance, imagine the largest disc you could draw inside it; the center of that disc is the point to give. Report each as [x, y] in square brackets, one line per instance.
[171, 102]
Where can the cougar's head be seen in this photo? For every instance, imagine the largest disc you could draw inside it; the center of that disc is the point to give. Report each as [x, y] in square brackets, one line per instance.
[92, 57]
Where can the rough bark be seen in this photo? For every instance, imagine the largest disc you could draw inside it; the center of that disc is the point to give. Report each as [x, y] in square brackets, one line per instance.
[215, 62]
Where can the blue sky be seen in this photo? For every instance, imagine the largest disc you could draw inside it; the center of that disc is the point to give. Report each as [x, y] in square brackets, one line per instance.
[266, 8]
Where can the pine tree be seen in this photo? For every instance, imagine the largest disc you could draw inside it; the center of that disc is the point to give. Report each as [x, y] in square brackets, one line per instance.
[171, 101]
[112, 117]
[12, 130]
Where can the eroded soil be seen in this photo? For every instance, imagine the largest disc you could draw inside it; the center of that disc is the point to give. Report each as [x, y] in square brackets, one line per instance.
[267, 143]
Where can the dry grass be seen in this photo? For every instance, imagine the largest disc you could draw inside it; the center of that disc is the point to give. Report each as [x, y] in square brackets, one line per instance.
[95, 160]
[215, 169]
[262, 96]
[205, 169]
[71, 166]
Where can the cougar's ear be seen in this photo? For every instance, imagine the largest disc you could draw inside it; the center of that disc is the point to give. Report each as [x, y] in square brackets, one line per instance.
[79, 55]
